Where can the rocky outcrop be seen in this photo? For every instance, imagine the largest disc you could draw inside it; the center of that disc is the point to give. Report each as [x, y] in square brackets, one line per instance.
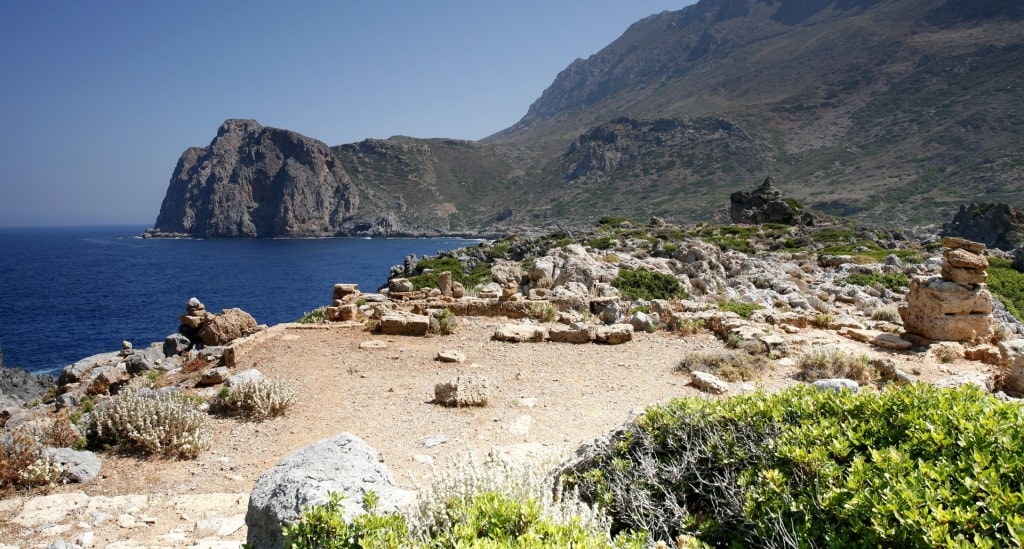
[995, 225]
[765, 204]
[344, 464]
[254, 181]
[955, 306]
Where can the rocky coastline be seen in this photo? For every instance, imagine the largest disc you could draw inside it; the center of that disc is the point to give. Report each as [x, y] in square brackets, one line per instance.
[753, 287]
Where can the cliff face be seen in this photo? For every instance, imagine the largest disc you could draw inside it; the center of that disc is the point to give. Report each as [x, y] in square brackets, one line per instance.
[253, 181]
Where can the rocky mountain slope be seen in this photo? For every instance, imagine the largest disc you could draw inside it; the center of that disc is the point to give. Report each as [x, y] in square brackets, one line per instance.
[885, 110]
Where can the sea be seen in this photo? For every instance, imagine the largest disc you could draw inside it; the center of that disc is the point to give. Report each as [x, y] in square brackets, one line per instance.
[70, 293]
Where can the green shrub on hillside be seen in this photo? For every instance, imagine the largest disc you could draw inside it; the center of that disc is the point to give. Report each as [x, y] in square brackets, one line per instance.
[648, 285]
[742, 309]
[1008, 285]
[892, 281]
[316, 316]
[428, 269]
[912, 466]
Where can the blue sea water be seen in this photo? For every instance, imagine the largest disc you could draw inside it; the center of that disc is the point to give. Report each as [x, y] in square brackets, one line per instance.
[68, 293]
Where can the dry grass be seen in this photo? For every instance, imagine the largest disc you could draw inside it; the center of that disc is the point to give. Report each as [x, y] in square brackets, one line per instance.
[17, 454]
[730, 365]
[887, 313]
[830, 362]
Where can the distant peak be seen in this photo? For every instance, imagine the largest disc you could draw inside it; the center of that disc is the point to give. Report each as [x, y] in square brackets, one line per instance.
[239, 125]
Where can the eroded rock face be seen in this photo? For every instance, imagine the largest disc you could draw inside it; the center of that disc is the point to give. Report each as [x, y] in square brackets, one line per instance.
[765, 204]
[996, 225]
[254, 181]
[344, 464]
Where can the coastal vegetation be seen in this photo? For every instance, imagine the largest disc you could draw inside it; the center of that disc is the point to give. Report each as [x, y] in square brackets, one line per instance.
[911, 466]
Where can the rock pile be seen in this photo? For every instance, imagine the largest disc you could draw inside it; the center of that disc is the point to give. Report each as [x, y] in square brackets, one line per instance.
[766, 205]
[956, 305]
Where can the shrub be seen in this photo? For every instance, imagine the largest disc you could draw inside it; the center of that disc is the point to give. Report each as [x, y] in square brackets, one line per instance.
[498, 506]
[829, 362]
[893, 281]
[742, 309]
[648, 285]
[824, 321]
[545, 312]
[323, 527]
[136, 421]
[913, 466]
[19, 457]
[888, 313]
[427, 270]
[447, 322]
[259, 399]
[730, 365]
[689, 326]
[316, 316]
[1008, 285]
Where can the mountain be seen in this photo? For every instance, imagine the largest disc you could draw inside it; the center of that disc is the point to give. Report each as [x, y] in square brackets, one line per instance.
[884, 110]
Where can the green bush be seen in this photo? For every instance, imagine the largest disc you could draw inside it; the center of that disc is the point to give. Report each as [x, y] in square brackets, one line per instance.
[428, 269]
[486, 519]
[447, 322]
[892, 281]
[316, 316]
[912, 466]
[323, 527]
[1008, 285]
[648, 285]
[742, 309]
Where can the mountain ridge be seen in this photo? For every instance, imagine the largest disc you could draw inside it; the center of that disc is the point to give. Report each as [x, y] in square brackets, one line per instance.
[883, 110]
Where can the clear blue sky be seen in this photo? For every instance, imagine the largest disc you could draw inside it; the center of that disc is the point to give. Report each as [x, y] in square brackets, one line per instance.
[99, 99]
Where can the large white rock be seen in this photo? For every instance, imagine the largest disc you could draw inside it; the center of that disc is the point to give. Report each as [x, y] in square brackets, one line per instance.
[344, 464]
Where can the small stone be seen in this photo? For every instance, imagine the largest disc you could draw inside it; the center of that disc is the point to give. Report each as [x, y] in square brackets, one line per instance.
[956, 242]
[434, 440]
[373, 344]
[708, 383]
[463, 391]
[451, 355]
[836, 385]
[215, 376]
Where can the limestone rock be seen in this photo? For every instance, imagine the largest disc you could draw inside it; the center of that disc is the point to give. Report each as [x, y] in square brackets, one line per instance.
[1012, 365]
[404, 324]
[643, 322]
[175, 344]
[463, 391]
[400, 285]
[957, 243]
[215, 376]
[708, 383]
[78, 466]
[343, 464]
[343, 291]
[520, 333]
[451, 355]
[615, 334]
[836, 385]
[963, 259]
[247, 375]
[576, 333]
[942, 310]
[231, 324]
[964, 277]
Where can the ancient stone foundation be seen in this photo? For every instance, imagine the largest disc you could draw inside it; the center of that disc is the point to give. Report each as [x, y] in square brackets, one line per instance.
[955, 306]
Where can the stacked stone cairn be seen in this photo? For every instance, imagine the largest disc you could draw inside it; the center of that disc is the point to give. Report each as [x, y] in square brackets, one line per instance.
[343, 303]
[957, 305]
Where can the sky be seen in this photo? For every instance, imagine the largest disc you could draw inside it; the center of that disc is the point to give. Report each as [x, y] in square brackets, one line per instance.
[99, 99]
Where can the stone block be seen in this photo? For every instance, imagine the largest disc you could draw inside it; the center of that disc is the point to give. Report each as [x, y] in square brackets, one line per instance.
[615, 334]
[404, 324]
